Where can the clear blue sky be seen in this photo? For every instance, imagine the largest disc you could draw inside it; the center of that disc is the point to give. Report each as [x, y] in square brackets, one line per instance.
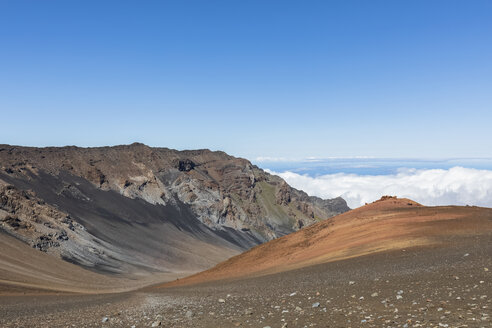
[253, 78]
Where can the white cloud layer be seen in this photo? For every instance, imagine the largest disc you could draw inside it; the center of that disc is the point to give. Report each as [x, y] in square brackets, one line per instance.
[455, 186]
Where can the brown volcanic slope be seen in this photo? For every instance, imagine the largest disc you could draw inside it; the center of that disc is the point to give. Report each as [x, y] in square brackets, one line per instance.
[384, 225]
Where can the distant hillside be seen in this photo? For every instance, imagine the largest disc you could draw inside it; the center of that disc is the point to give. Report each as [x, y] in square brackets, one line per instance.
[130, 209]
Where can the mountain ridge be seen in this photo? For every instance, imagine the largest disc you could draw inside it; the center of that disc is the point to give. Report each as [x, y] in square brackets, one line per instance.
[133, 208]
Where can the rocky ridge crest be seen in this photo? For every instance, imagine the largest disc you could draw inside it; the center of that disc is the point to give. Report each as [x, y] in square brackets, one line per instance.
[222, 190]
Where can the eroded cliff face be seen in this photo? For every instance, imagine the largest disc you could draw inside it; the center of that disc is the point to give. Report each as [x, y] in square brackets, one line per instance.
[48, 229]
[226, 197]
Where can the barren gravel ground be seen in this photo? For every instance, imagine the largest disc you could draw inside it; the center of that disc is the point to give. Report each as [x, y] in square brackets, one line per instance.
[420, 287]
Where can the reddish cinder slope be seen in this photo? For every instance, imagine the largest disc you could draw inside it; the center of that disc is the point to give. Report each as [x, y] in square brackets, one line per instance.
[387, 224]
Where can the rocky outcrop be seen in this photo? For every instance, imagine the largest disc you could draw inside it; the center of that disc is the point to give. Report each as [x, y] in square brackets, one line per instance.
[185, 165]
[32, 220]
[22, 212]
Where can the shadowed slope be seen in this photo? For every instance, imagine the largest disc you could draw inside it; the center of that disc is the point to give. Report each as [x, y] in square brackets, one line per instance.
[387, 224]
[112, 233]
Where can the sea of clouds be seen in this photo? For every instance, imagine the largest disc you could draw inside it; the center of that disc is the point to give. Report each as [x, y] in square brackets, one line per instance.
[453, 186]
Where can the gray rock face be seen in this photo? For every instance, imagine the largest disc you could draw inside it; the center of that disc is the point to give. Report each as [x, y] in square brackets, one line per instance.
[185, 165]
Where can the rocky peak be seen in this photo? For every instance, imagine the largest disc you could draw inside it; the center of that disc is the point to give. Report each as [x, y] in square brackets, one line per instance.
[185, 165]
